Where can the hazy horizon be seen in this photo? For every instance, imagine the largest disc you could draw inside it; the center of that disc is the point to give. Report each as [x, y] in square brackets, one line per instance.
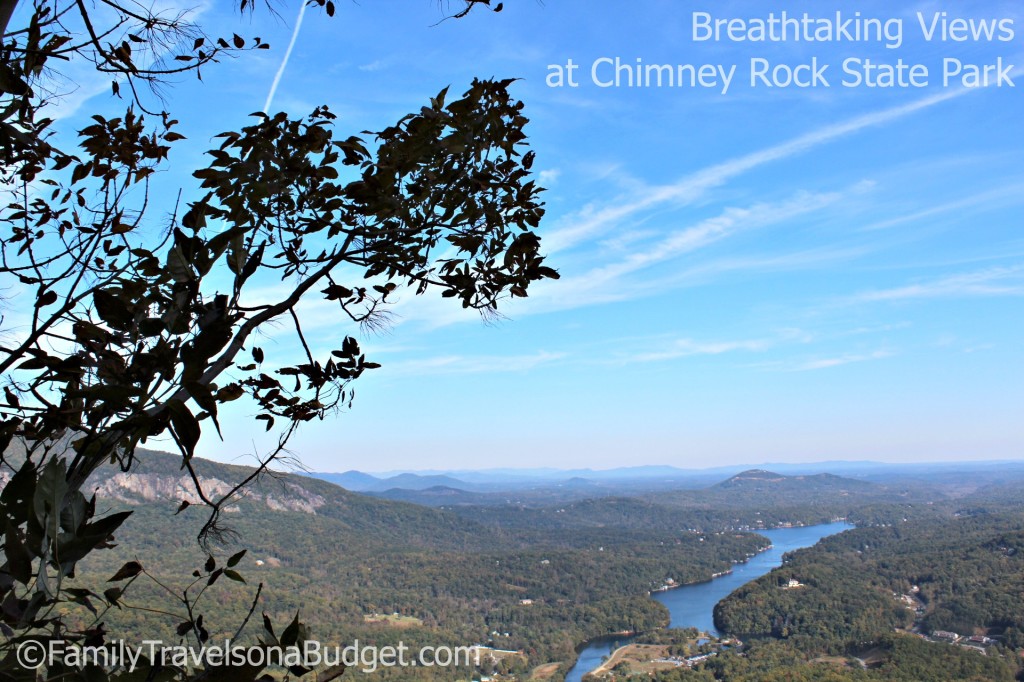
[713, 468]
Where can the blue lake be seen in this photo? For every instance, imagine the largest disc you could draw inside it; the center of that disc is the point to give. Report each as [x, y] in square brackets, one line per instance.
[693, 605]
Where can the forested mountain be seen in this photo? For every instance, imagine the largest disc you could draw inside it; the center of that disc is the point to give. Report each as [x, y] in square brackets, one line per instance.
[543, 579]
[364, 483]
[342, 557]
[760, 480]
[883, 603]
[158, 481]
[964, 574]
[747, 501]
[442, 496]
[765, 488]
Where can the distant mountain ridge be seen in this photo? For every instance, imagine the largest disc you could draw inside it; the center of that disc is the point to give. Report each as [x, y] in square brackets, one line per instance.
[769, 480]
[360, 482]
[157, 483]
[503, 479]
[502, 486]
[437, 496]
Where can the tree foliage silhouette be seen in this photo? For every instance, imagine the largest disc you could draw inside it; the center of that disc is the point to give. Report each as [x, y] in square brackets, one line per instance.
[118, 328]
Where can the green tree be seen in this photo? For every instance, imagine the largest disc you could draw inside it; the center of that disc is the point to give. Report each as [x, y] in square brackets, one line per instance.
[128, 328]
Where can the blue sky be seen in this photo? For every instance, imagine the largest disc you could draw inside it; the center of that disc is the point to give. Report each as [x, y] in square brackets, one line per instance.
[770, 274]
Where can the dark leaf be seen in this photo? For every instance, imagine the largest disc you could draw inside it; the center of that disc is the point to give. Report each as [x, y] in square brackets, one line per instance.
[235, 558]
[178, 265]
[186, 426]
[47, 298]
[129, 570]
[49, 497]
[294, 633]
[10, 82]
[112, 310]
[19, 561]
[102, 529]
[112, 595]
[19, 491]
[269, 628]
[229, 393]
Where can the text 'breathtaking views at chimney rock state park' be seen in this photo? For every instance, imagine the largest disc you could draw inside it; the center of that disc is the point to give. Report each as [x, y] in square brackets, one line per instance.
[958, 68]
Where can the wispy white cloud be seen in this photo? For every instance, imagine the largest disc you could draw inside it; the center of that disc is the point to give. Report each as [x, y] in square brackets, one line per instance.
[1001, 281]
[876, 329]
[607, 283]
[804, 259]
[622, 241]
[730, 221]
[826, 363]
[690, 188]
[1013, 194]
[549, 176]
[667, 347]
[680, 348]
[480, 364]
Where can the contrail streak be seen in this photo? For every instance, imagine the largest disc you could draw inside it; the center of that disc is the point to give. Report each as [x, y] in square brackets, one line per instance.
[287, 55]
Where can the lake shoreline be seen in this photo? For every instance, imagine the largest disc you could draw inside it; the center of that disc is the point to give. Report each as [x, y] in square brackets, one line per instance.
[594, 645]
[714, 576]
[614, 636]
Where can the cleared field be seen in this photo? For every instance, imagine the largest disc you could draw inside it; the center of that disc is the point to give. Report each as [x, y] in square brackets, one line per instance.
[394, 620]
[639, 657]
[543, 672]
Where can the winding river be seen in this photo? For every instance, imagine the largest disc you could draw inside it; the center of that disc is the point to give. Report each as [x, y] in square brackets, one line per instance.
[693, 605]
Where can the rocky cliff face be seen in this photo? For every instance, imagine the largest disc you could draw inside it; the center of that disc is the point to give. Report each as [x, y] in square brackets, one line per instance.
[277, 495]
